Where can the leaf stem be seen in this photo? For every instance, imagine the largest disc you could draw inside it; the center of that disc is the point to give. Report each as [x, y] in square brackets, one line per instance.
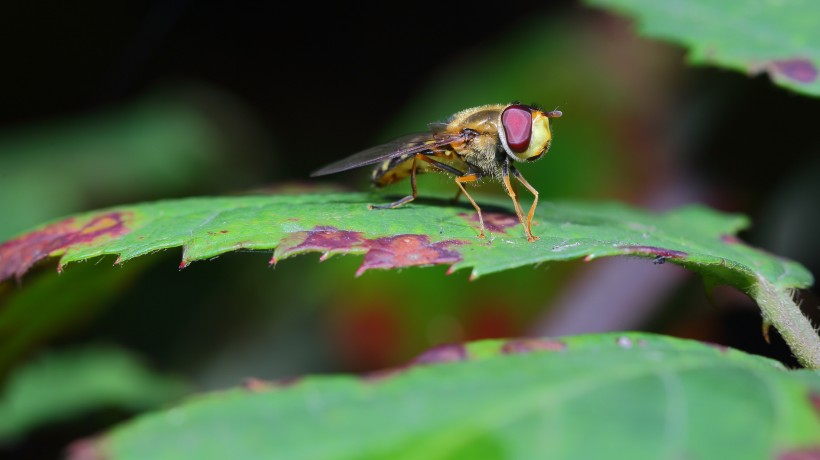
[779, 309]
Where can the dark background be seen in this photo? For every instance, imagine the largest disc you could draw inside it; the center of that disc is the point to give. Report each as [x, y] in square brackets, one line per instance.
[317, 77]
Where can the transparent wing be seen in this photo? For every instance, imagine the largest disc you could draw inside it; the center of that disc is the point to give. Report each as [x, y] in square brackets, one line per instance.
[407, 145]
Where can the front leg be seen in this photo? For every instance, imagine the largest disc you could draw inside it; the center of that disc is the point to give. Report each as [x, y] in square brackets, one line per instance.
[461, 178]
[534, 194]
[505, 175]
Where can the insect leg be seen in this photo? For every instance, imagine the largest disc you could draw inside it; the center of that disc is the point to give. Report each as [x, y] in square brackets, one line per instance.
[505, 175]
[461, 178]
[445, 168]
[534, 194]
[471, 178]
[406, 199]
[455, 198]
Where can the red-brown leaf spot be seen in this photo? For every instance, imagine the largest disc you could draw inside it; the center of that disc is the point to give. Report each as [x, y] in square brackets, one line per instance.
[387, 252]
[20, 254]
[811, 453]
[653, 251]
[85, 449]
[530, 345]
[442, 354]
[799, 70]
[493, 221]
[814, 399]
[446, 353]
[320, 239]
[408, 251]
[731, 239]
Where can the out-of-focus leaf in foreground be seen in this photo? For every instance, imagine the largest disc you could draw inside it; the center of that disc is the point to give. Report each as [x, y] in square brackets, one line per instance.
[643, 396]
[63, 385]
[778, 37]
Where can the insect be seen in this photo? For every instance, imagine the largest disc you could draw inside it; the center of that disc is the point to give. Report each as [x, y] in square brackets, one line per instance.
[475, 143]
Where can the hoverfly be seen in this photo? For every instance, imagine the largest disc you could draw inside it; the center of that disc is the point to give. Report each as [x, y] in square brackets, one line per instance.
[473, 144]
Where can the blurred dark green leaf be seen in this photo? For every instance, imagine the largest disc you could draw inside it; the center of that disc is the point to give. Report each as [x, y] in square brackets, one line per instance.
[50, 304]
[164, 144]
[642, 396]
[781, 38]
[62, 385]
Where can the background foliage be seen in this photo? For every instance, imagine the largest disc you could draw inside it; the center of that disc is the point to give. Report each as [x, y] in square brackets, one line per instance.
[107, 103]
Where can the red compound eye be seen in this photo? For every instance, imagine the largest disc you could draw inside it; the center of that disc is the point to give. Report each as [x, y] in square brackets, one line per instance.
[517, 123]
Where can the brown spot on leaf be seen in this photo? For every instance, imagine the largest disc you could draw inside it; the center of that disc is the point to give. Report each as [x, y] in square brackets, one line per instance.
[530, 345]
[321, 239]
[255, 385]
[20, 254]
[717, 346]
[653, 251]
[730, 239]
[408, 251]
[85, 449]
[493, 221]
[814, 399]
[442, 354]
[387, 252]
[799, 70]
[810, 453]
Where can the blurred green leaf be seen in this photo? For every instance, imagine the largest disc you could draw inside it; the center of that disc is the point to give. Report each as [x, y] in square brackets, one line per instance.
[781, 38]
[51, 304]
[163, 144]
[59, 386]
[642, 396]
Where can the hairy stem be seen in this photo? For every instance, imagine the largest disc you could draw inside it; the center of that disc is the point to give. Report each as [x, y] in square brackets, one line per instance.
[782, 312]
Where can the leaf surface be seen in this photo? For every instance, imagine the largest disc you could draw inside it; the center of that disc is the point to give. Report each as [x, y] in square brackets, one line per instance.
[643, 396]
[428, 232]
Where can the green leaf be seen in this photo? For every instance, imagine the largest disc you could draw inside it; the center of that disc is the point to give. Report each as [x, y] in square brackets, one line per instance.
[430, 232]
[63, 385]
[642, 396]
[424, 233]
[52, 304]
[781, 38]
